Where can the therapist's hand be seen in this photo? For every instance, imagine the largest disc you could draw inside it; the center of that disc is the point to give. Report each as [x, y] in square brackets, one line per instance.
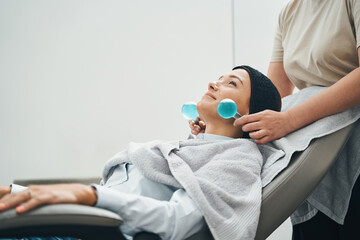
[4, 191]
[36, 195]
[196, 129]
[266, 126]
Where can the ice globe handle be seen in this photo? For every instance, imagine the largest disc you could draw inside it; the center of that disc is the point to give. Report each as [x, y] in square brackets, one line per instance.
[237, 115]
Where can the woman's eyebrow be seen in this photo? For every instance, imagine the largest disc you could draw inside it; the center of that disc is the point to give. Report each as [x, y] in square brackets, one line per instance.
[237, 77]
[233, 76]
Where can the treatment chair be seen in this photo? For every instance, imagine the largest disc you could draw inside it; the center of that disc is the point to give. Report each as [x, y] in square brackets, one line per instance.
[280, 198]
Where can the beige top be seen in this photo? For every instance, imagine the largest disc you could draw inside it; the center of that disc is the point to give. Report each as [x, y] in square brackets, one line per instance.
[317, 40]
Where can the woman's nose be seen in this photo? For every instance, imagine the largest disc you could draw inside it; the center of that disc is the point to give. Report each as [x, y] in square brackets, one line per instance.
[212, 86]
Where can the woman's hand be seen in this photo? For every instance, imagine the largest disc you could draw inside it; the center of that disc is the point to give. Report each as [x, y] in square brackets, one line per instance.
[37, 195]
[266, 126]
[196, 129]
[4, 191]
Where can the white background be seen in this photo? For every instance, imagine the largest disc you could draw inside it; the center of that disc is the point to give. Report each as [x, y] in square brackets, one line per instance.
[80, 79]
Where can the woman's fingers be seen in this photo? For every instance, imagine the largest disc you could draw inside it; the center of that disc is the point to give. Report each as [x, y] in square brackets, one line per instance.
[31, 197]
[202, 126]
[37, 195]
[12, 200]
[191, 123]
[32, 203]
[196, 129]
[4, 191]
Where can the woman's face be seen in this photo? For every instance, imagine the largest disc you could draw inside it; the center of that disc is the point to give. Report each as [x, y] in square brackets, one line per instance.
[235, 85]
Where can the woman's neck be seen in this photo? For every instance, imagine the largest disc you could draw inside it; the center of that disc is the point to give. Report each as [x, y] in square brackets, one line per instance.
[224, 130]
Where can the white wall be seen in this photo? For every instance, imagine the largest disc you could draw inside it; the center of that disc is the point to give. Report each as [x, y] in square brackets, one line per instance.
[80, 79]
[254, 28]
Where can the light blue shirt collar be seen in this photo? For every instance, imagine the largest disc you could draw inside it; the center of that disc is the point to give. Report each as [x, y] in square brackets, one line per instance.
[212, 137]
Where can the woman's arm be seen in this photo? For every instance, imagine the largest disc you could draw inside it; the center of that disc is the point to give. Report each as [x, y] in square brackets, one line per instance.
[268, 125]
[140, 213]
[36, 195]
[180, 216]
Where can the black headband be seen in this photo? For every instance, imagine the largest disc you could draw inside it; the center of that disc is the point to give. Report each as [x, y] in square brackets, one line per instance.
[264, 94]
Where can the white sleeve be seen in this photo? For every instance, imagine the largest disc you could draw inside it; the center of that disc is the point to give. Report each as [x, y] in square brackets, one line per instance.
[17, 188]
[188, 220]
[175, 219]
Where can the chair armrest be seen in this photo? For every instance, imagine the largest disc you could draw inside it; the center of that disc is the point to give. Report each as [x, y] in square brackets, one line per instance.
[63, 220]
[86, 181]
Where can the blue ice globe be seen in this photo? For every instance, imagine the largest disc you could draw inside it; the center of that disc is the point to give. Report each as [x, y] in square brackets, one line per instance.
[189, 111]
[227, 108]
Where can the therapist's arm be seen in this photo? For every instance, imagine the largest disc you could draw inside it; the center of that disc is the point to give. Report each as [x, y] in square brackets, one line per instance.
[277, 74]
[269, 125]
[175, 219]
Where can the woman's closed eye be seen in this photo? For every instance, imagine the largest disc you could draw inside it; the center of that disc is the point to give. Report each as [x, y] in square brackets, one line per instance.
[233, 83]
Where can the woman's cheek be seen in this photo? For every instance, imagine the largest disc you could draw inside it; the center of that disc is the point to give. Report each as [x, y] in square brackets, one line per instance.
[206, 109]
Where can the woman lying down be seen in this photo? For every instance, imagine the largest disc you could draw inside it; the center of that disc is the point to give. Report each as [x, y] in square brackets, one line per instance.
[174, 188]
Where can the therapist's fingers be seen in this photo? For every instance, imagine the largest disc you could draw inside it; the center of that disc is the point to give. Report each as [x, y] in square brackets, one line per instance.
[260, 137]
[257, 135]
[251, 127]
[247, 119]
[263, 140]
[266, 126]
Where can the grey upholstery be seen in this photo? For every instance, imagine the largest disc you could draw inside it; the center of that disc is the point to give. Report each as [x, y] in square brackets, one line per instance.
[280, 198]
[87, 181]
[62, 220]
[295, 183]
[60, 214]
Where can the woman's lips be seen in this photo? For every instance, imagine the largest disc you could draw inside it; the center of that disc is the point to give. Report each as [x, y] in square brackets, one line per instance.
[210, 95]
